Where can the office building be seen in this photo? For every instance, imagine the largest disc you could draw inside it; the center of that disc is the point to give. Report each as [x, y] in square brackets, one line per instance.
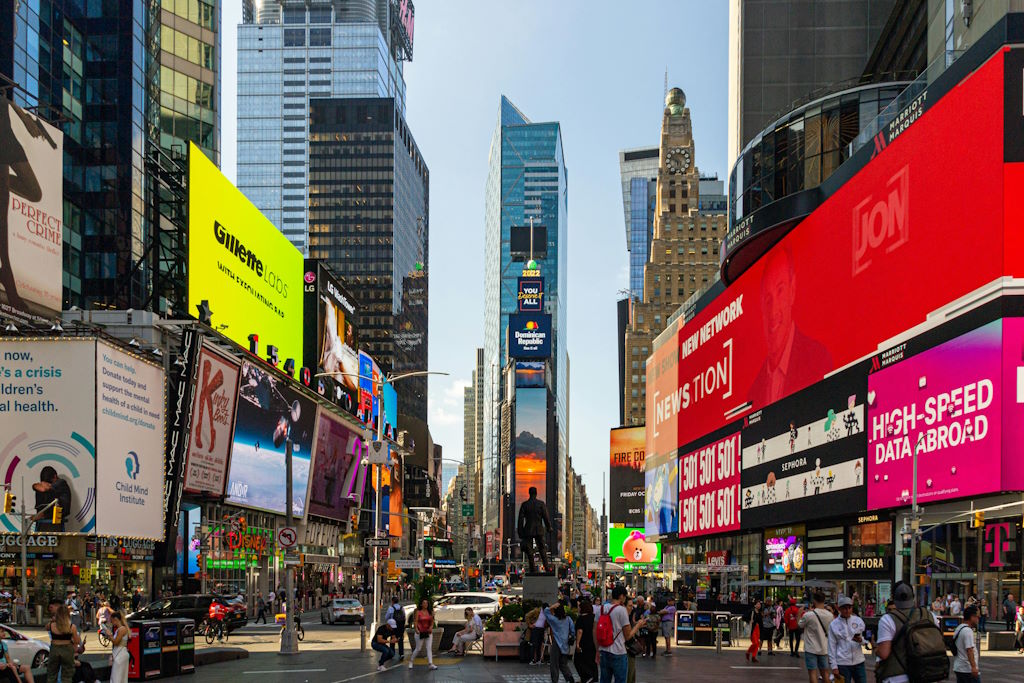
[473, 443]
[525, 219]
[291, 52]
[638, 169]
[369, 210]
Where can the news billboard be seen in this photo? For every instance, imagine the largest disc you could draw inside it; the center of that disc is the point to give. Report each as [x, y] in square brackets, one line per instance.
[331, 339]
[241, 264]
[270, 412]
[531, 444]
[629, 545]
[529, 335]
[806, 453]
[856, 272]
[626, 477]
[339, 450]
[32, 223]
[212, 424]
[661, 496]
[709, 488]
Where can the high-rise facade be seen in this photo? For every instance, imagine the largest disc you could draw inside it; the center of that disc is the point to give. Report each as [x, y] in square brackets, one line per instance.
[683, 254]
[527, 181]
[369, 190]
[473, 441]
[638, 169]
[291, 52]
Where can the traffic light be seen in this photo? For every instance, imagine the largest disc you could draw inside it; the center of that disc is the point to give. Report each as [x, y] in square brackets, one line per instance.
[979, 519]
[58, 514]
[9, 500]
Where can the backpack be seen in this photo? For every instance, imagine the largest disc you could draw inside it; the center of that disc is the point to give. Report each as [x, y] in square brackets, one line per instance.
[398, 614]
[919, 648]
[956, 634]
[604, 632]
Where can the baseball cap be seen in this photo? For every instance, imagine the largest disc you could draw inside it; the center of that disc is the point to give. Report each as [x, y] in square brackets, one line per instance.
[844, 601]
[392, 623]
[903, 596]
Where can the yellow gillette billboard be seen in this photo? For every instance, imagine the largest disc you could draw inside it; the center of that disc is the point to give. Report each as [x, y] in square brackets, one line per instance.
[244, 266]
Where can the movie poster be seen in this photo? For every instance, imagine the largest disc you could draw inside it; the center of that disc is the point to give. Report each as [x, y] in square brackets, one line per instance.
[626, 481]
[213, 418]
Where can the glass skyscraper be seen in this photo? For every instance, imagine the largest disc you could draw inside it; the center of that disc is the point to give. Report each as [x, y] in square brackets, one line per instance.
[639, 171]
[289, 53]
[527, 178]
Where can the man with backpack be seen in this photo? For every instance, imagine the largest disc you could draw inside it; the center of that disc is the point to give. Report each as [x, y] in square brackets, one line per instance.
[910, 647]
[965, 652]
[610, 635]
[397, 613]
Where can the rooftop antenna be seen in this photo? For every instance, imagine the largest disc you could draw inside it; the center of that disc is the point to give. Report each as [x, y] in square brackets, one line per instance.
[531, 238]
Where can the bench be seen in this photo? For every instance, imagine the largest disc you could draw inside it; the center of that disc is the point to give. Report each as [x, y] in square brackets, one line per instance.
[499, 646]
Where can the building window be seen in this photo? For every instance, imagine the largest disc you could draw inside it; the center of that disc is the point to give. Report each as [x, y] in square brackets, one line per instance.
[320, 37]
[294, 37]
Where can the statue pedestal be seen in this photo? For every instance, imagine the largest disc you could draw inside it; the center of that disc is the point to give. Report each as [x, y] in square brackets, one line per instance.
[540, 587]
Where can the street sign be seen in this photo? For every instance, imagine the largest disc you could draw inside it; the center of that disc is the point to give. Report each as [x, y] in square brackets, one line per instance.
[287, 537]
[292, 559]
[385, 553]
[406, 563]
[377, 453]
[467, 509]
[604, 558]
[378, 542]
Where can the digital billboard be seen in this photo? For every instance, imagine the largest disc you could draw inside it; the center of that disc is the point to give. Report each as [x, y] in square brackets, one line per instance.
[270, 412]
[32, 214]
[530, 295]
[626, 478]
[785, 550]
[806, 452]
[856, 272]
[130, 400]
[531, 447]
[661, 496]
[244, 266]
[48, 422]
[331, 340]
[339, 450]
[529, 335]
[530, 374]
[709, 488]
[628, 545]
[213, 419]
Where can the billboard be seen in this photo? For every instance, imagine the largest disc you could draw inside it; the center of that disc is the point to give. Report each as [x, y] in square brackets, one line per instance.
[338, 450]
[661, 496]
[48, 420]
[238, 261]
[785, 550]
[853, 274]
[626, 478]
[628, 545]
[529, 335]
[32, 215]
[269, 412]
[130, 400]
[331, 340]
[531, 447]
[806, 452]
[531, 295]
[530, 374]
[709, 488]
[945, 404]
[213, 419]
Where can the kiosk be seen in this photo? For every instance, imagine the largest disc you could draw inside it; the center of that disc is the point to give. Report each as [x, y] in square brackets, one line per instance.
[144, 648]
[703, 628]
[684, 627]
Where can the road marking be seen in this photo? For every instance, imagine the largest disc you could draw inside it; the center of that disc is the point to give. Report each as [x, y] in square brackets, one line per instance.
[286, 671]
[751, 666]
[372, 673]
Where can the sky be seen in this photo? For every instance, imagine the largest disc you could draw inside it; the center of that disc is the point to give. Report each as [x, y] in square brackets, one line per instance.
[596, 66]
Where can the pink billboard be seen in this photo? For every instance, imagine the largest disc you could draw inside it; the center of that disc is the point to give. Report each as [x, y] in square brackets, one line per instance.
[944, 403]
[709, 488]
[1013, 403]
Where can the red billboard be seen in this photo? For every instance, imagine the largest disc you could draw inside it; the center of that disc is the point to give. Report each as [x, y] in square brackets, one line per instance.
[709, 488]
[881, 254]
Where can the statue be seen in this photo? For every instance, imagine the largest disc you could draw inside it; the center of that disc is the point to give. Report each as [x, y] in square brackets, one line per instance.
[533, 526]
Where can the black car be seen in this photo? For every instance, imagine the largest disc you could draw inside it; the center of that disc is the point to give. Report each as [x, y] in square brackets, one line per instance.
[195, 607]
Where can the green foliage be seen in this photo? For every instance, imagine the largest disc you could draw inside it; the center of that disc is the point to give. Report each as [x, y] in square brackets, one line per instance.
[493, 622]
[511, 612]
[426, 588]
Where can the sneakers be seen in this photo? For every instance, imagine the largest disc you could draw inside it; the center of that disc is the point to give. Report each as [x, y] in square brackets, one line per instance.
[381, 668]
[410, 665]
[432, 667]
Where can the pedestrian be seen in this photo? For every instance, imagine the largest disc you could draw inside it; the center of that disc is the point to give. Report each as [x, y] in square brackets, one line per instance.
[983, 613]
[384, 643]
[668, 624]
[845, 644]
[815, 624]
[1018, 629]
[563, 640]
[792, 618]
[755, 632]
[653, 628]
[261, 608]
[423, 623]
[1009, 611]
[537, 626]
[768, 624]
[473, 630]
[586, 649]
[780, 624]
[119, 657]
[20, 612]
[965, 653]
[612, 646]
[64, 639]
[892, 652]
[136, 600]
[956, 608]
[397, 612]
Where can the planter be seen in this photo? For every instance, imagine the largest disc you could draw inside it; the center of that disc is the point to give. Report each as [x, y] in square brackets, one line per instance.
[511, 626]
[492, 638]
[435, 643]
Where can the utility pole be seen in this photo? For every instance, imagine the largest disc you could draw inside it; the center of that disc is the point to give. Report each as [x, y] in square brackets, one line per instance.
[915, 520]
[24, 551]
[289, 643]
[604, 539]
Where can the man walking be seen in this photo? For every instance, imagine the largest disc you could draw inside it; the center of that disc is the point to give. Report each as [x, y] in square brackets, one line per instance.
[1009, 611]
[845, 649]
[965, 651]
[261, 608]
[614, 664]
[815, 627]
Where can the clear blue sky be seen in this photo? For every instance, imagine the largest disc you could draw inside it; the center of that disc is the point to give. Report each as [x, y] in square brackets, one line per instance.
[596, 66]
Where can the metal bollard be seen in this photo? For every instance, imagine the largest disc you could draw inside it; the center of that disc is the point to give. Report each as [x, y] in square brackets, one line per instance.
[362, 638]
[718, 640]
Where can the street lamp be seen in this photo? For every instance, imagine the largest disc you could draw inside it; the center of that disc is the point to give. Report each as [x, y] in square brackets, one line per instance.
[912, 533]
[380, 381]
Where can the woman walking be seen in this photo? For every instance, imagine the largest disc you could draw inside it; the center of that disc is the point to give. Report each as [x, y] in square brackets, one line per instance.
[119, 654]
[1018, 629]
[423, 621]
[768, 624]
[64, 639]
[563, 635]
[755, 633]
[586, 651]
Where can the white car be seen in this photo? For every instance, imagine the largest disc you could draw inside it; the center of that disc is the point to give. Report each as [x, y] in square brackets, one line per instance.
[26, 650]
[340, 610]
[451, 608]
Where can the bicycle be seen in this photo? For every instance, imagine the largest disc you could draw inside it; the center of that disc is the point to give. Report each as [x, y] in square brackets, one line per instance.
[101, 636]
[215, 631]
[300, 632]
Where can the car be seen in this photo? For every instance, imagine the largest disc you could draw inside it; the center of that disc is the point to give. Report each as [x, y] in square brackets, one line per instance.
[341, 610]
[26, 650]
[451, 607]
[195, 607]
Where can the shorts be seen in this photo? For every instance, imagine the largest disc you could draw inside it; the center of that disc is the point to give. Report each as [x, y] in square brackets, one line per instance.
[666, 629]
[813, 661]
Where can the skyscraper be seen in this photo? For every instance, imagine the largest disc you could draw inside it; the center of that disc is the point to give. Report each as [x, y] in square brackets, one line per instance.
[638, 169]
[291, 52]
[525, 217]
[473, 440]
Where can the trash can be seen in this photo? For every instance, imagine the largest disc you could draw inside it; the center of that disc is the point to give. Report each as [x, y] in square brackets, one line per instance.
[684, 628]
[169, 662]
[186, 645]
[144, 650]
[723, 624]
[703, 628]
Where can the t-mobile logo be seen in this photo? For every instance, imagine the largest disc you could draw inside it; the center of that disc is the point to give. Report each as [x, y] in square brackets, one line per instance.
[882, 222]
[997, 542]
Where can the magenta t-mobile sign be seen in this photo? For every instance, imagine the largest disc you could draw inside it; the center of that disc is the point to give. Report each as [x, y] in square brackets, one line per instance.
[998, 542]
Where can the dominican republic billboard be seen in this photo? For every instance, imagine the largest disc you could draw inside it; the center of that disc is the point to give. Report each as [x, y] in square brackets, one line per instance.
[858, 271]
[529, 335]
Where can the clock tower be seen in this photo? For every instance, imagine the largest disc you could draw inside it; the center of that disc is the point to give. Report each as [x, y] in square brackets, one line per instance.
[678, 179]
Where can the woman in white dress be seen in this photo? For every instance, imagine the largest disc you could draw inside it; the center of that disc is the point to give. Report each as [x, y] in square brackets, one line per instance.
[119, 654]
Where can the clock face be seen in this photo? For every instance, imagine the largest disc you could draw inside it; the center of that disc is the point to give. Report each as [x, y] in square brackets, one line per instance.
[678, 160]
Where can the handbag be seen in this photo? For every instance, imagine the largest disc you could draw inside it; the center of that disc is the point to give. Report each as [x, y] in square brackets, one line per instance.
[634, 648]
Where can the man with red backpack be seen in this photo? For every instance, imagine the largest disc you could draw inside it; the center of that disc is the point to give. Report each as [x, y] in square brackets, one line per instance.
[610, 635]
[792, 618]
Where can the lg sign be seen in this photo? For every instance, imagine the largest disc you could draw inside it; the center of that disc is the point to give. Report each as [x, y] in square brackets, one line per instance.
[881, 225]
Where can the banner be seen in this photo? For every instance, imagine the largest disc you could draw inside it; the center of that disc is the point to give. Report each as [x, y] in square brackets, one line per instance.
[31, 222]
[48, 429]
[709, 488]
[626, 478]
[130, 434]
[339, 450]
[213, 420]
[630, 546]
[661, 496]
[529, 335]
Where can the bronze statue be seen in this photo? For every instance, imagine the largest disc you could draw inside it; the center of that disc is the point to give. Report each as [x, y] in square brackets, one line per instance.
[534, 524]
